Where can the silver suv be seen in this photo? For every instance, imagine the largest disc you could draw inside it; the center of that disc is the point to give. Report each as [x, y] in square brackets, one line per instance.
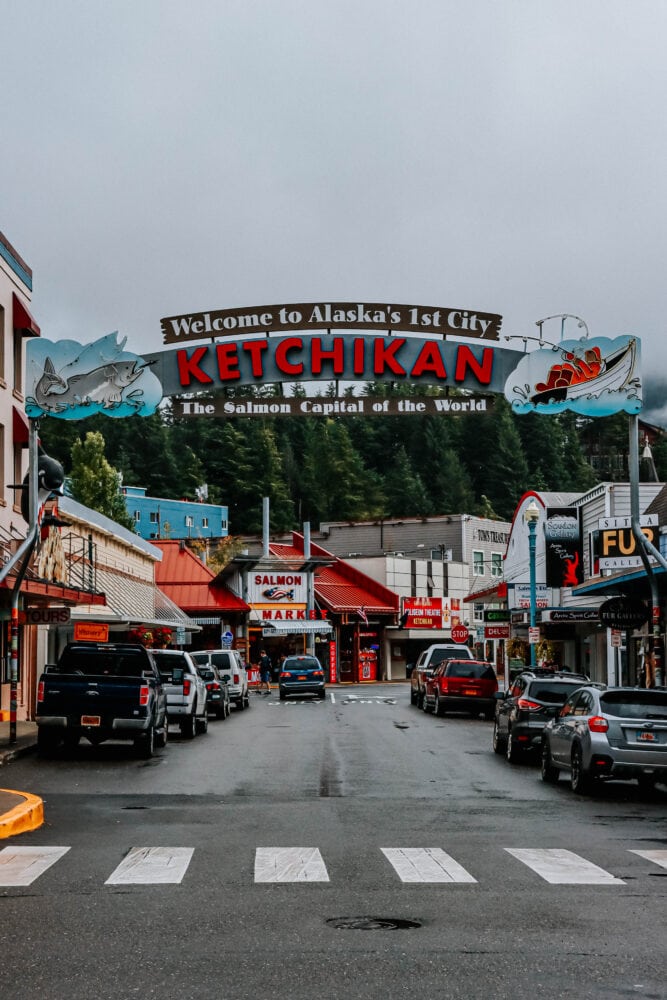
[232, 671]
[186, 691]
[617, 733]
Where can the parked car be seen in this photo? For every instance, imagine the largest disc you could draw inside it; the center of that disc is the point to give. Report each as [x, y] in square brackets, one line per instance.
[613, 733]
[463, 685]
[534, 697]
[103, 691]
[232, 671]
[186, 691]
[218, 693]
[301, 675]
[428, 661]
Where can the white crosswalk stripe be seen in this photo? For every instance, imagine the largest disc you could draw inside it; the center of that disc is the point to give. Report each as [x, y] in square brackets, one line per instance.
[289, 864]
[152, 866]
[425, 864]
[660, 857]
[559, 867]
[22, 865]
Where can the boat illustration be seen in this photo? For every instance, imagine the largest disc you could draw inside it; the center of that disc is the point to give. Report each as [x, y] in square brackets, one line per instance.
[577, 377]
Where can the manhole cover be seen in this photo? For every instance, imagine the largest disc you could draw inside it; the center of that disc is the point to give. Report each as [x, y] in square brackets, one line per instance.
[372, 924]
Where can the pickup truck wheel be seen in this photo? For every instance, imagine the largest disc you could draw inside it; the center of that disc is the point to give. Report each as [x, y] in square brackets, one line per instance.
[201, 724]
[246, 700]
[240, 704]
[413, 697]
[146, 744]
[163, 735]
[188, 727]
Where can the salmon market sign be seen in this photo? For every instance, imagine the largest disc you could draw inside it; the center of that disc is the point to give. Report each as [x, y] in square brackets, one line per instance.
[306, 344]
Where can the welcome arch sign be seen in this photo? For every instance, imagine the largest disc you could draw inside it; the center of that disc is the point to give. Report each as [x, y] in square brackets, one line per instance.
[314, 344]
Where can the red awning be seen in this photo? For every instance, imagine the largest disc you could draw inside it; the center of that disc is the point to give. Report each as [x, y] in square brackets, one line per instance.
[20, 427]
[23, 321]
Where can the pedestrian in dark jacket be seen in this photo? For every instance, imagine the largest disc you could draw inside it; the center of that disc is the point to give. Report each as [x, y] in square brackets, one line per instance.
[265, 672]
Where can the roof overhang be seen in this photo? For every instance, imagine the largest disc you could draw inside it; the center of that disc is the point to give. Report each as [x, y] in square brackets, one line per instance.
[296, 628]
[619, 581]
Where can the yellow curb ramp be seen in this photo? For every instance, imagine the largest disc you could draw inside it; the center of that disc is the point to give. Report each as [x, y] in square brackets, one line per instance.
[27, 814]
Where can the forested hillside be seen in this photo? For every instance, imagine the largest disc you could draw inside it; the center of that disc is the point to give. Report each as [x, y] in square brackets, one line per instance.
[353, 467]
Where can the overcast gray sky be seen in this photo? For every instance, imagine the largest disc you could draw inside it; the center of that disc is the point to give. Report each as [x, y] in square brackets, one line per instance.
[161, 157]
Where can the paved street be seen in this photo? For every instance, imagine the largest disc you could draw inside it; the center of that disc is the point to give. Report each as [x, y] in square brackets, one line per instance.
[280, 855]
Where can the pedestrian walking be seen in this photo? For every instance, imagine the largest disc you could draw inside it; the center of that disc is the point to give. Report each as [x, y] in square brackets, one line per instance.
[265, 671]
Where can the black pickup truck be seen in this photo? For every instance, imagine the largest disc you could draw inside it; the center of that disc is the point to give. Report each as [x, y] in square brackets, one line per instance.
[103, 691]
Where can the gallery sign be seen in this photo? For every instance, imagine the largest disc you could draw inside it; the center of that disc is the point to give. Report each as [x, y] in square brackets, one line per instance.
[562, 539]
[617, 544]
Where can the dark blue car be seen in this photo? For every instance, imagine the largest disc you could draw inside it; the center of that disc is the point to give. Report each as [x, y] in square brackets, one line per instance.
[301, 675]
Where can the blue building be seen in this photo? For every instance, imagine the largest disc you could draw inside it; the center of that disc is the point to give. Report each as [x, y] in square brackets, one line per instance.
[155, 517]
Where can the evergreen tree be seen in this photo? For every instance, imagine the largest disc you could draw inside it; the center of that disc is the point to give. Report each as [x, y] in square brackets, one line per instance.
[95, 483]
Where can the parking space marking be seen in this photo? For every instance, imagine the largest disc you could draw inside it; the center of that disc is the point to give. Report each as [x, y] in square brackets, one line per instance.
[22, 865]
[560, 867]
[289, 864]
[425, 864]
[152, 866]
[660, 857]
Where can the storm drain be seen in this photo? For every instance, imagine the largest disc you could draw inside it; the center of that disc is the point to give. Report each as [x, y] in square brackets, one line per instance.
[372, 924]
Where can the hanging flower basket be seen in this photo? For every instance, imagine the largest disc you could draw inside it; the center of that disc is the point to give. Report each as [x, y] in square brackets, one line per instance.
[144, 636]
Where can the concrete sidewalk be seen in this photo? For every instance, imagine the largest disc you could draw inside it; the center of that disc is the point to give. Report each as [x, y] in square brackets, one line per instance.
[19, 811]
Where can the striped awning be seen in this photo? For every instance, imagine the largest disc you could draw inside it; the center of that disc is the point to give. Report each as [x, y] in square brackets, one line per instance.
[298, 628]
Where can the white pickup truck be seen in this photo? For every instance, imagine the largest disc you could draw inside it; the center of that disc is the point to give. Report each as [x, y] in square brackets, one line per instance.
[232, 671]
[186, 691]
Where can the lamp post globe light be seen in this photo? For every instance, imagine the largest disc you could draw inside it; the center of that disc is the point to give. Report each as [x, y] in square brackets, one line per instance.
[531, 516]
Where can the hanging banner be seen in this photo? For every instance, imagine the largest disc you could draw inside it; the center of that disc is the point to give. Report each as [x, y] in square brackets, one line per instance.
[562, 539]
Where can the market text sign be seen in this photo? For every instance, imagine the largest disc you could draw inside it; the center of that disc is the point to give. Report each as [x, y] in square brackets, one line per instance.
[331, 316]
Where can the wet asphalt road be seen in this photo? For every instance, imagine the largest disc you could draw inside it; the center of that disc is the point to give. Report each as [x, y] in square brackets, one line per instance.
[344, 779]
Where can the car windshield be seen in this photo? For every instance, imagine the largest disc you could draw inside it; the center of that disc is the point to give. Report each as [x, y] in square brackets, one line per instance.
[447, 654]
[200, 657]
[472, 671]
[101, 662]
[647, 704]
[301, 663]
[551, 691]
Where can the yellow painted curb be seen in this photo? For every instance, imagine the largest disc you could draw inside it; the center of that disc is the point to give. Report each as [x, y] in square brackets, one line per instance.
[27, 815]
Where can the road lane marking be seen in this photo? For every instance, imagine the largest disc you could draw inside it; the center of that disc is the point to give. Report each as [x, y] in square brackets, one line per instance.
[561, 867]
[289, 864]
[152, 866]
[22, 865]
[660, 857]
[425, 864]
[333, 700]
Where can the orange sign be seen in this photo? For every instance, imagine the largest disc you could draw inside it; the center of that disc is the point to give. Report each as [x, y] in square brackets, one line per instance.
[90, 632]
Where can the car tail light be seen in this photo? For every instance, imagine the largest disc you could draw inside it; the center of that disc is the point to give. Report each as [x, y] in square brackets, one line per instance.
[186, 687]
[318, 673]
[283, 675]
[214, 686]
[144, 692]
[527, 705]
[598, 724]
[40, 691]
[444, 686]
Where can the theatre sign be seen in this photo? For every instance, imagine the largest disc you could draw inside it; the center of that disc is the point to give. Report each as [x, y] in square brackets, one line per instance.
[249, 355]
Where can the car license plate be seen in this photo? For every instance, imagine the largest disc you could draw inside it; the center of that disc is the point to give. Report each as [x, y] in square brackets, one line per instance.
[469, 691]
[90, 720]
[302, 677]
[646, 737]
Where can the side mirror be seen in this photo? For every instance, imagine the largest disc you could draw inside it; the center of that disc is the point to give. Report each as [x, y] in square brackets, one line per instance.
[500, 695]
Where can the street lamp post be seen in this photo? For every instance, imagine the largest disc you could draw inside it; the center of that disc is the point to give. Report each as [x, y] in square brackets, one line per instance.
[531, 516]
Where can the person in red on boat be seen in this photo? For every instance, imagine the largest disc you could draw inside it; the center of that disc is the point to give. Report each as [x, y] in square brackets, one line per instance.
[573, 371]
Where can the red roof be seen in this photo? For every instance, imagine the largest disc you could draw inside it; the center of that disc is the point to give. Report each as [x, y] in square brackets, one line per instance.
[341, 587]
[189, 582]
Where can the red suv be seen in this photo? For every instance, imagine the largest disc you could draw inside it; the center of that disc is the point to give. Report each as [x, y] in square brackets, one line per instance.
[465, 685]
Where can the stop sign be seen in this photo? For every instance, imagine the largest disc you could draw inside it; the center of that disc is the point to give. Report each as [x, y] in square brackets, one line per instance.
[460, 633]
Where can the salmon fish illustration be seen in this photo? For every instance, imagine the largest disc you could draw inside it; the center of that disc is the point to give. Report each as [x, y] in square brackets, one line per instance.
[103, 385]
